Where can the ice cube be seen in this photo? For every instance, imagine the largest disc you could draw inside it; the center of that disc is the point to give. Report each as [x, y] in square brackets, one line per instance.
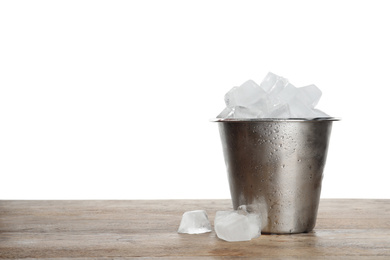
[319, 113]
[298, 109]
[301, 101]
[280, 111]
[288, 93]
[272, 83]
[310, 95]
[194, 222]
[244, 95]
[244, 112]
[237, 225]
[254, 111]
[275, 97]
[226, 113]
[269, 81]
[243, 209]
[277, 88]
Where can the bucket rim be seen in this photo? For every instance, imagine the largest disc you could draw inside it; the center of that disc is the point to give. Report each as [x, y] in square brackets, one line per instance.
[316, 119]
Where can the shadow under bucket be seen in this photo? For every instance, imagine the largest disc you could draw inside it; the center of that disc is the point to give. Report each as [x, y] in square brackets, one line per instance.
[276, 166]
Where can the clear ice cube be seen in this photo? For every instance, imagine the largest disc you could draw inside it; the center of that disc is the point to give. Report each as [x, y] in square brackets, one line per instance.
[275, 97]
[280, 111]
[310, 95]
[255, 110]
[277, 88]
[272, 84]
[237, 225]
[244, 95]
[226, 113]
[244, 112]
[288, 93]
[299, 109]
[194, 222]
[269, 81]
[319, 113]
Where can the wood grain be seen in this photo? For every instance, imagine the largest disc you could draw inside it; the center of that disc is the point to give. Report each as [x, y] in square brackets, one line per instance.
[346, 229]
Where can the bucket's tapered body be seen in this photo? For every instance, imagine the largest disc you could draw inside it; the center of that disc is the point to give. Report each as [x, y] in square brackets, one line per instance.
[277, 166]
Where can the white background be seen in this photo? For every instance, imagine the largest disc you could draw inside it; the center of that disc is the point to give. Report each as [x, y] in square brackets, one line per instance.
[112, 99]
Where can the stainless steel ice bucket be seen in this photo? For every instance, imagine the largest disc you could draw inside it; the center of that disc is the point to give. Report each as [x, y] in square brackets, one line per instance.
[276, 166]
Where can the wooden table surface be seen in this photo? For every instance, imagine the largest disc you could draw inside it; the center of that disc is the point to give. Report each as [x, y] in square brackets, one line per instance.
[346, 229]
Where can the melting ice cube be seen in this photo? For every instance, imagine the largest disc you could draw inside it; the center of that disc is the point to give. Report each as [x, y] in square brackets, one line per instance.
[194, 222]
[237, 225]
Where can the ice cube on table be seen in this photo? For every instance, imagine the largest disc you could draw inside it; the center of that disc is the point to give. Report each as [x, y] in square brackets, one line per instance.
[194, 222]
[244, 95]
[237, 225]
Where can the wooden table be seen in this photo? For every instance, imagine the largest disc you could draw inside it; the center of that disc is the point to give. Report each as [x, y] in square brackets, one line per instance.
[346, 229]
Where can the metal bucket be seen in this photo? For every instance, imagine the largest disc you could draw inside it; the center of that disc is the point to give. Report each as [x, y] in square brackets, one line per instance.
[276, 166]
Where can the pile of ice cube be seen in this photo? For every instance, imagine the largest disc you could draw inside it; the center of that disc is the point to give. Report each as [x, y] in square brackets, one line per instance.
[275, 97]
[232, 226]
